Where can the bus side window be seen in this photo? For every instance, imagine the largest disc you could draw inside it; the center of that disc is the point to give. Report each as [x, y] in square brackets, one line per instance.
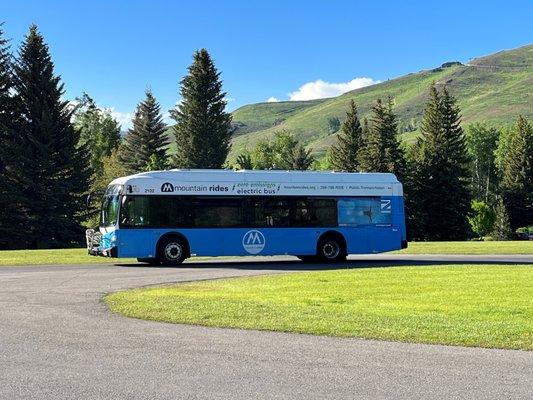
[364, 211]
[304, 213]
[276, 212]
[325, 212]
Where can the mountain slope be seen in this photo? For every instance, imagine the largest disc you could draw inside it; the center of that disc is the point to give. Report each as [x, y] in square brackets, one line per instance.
[494, 88]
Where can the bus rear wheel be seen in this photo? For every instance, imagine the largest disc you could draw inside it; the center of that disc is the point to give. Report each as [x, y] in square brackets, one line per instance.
[171, 251]
[331, 248]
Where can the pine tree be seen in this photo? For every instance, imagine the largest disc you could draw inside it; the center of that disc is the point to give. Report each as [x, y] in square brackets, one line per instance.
[458, 170]
[438, 198]
[13, 208]
[345, 153]
[203, 129]
[395, 156]
[53, 169]
[517, 175]
[144, 146]
[382, 151]
[301, 159]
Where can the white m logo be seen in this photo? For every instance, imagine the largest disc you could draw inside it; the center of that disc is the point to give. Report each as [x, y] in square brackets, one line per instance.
[167, 187]
[253, 241]
[254, 238]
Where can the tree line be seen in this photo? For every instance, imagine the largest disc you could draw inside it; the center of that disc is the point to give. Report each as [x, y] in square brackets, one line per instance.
[53, 153]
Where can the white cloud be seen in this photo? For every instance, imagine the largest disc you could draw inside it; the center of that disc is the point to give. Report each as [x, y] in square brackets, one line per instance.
[320, 89]
[167, 119]
[272, 100]
[124, 119]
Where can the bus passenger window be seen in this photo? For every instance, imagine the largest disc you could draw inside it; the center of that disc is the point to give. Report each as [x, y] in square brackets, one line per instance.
[363, 211]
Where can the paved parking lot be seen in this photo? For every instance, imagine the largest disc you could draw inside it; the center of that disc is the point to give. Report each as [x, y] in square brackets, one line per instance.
[59, 341]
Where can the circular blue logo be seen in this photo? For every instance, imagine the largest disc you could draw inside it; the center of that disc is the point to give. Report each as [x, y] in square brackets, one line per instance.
[253, 242]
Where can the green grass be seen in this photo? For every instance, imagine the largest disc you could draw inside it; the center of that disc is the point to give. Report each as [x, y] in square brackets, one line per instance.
[481, 305]
[509, 247]
[53, 256]
[494, 88]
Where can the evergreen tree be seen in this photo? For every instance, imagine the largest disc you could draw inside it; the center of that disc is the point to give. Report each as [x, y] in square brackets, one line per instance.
[438, 198]
[345, 153]
[365, 128]
[144, 146]
[382, 151]
[203, 129]
[517, 175]
[301, 158]
[53, 169]
[13, 209]
[99, 132]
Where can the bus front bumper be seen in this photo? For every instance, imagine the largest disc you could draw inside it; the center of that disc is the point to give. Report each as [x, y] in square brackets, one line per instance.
[97, 251]
[94, 245]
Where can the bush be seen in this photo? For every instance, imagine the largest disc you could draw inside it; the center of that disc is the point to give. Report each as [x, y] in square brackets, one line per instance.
[525, 229]
[483, 218]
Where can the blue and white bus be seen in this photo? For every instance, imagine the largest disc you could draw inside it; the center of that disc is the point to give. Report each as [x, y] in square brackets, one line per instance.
[168, 216]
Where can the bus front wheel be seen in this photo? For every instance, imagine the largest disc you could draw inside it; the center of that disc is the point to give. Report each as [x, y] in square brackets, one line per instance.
[331, 248]
[172, 251]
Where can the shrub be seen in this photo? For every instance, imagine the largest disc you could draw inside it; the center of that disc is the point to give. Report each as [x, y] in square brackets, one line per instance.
[483, 218]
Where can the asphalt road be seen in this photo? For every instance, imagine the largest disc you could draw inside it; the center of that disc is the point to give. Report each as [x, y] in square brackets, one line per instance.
[59, 341]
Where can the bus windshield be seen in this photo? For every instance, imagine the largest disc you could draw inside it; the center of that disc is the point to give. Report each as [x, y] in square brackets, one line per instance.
[110, 205]
[109, 213]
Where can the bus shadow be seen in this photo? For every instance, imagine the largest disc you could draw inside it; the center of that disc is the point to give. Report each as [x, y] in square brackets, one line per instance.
[297, 265]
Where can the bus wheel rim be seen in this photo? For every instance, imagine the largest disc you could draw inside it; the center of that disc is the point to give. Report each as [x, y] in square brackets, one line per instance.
[331, 250]
[173, 251]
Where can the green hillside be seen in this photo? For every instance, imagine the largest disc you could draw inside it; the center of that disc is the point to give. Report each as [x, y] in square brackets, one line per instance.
[494, 88]
[245, 119]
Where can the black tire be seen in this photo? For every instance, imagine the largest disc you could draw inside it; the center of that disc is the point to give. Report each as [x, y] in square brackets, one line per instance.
[331, 248]
[172, 250]
[151, 261]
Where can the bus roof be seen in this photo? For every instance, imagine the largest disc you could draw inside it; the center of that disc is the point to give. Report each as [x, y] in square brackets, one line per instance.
[246, 182]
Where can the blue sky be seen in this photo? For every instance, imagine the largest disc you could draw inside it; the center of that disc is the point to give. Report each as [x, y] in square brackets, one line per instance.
[273, 49]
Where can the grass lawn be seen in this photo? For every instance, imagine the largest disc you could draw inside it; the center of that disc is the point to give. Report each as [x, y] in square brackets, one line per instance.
[508, 247]
[470, 305]
[54, 256]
